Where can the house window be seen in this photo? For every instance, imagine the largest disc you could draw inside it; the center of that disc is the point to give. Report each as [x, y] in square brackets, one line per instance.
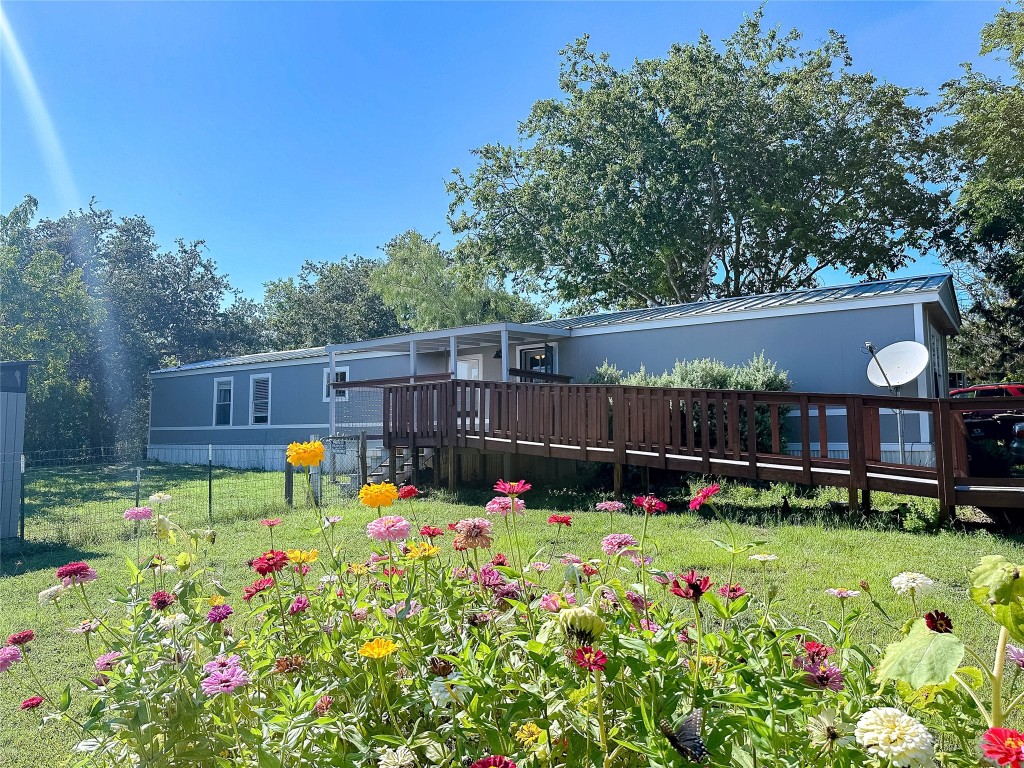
[222, 402]
[340, 374]
[259, 399]
[537, 359]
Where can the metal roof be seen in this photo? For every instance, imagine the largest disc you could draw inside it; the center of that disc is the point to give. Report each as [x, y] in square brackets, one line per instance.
[257, 359]
[805, 297]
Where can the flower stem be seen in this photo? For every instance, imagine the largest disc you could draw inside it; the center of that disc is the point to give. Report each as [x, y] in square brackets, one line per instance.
[696, 658]
[997, 678]
[599, 692]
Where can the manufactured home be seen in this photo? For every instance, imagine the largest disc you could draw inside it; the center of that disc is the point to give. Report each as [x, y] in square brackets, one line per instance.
[248, 407]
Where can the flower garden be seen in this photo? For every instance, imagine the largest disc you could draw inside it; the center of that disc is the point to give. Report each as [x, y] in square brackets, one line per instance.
[439, 648]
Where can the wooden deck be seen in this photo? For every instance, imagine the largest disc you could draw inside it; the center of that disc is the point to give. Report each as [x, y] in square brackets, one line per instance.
[728, 433]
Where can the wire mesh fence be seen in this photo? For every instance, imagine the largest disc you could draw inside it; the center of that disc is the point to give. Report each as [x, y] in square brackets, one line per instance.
[79, 497]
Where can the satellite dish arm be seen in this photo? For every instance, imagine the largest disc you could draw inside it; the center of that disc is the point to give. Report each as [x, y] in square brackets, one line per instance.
[871, 350]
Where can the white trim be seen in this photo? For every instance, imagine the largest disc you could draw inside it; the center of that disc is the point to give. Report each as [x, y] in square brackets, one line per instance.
[479, 364]
[754, 314]
[231, 402]
[320, 360]
[252, 400]
[327, 377]
[552, 344]
[202, 428]
[919, 337]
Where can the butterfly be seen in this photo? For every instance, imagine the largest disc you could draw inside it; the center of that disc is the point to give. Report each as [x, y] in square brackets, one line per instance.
[686, 738]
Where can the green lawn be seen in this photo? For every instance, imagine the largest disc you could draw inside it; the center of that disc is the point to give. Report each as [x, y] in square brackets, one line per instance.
[816, 550]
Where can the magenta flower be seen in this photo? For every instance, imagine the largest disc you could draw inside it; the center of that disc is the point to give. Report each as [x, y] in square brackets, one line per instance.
[512, 489]
[650, 504]
[106, 662]
[703, 495]
[225, 680]
[693, 587]
[502, 505]
[825, 676]
[410, 608]
[31, 702]
[551, 602]
[637, 600]
[610, 506]
[221, 663]
[299, 604]
[389, 528]
[731, 591]
[218, 613]
[9, 656]
[75, 573]
[615, 544]
[540, 566]
[570, 559]
[138, 513]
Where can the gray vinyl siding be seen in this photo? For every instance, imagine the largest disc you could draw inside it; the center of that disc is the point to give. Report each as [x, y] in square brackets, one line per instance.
[823, 352]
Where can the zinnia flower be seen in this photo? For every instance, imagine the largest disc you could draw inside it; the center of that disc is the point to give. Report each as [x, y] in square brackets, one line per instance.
[764, 558]
[581, 625]
[31, 702]
[270, 562]
[565, 520]
[161, 600]
[299, 604]
[610, 506]
[909, 583]
[551, 602]
[615, 544]
[590, 658]
[540, 566]
[431, 531]
[52, 594]
[512, 489]
[159, 498]
[221, 663]
[378, 648]
[301, 556]
[493, 761]
[21, 638]
[309, 454]
[226, 680]
[138, 513]
[260, 585]
[422, 551]
[650, 504]
[693, 586]
[106, 662]
[75, 573]
[408, 492]
[1003, 745]
[731, 591]
[174, 621]
[9, 656]
[817, 652]
[889, 734]
[473, 533]
[271, 522]
[637, 601]
[389, 528]
[824, 676]
[937, 621]
[1015, 655]
[703, 495]
[842, 593]
[218, 613]
[378, 494]
[502, 505]
[398, 757]
[323, 704]
[528, 734]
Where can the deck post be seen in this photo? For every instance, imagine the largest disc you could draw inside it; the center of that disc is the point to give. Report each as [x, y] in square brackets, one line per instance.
[865, 501]
[392, 465]
[452, 474]
[645, 478]
[504, 354]
[617, 481]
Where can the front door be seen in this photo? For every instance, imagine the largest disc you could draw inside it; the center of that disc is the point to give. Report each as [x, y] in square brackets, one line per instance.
[470, 367]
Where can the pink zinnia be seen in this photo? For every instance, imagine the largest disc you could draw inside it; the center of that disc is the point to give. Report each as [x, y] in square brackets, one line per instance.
[221, 663]
[570, 559]
[650, 504]
[271, 522]
[825, 676]
[493, 761]
[610, 506]
[260, 585]
[299, 604]
[590, 659]
[9, 656]
[226, 680]
[512, 489]
[138, 513]
[75, 573]
[703, 495]
[31, 702]
[615, 544]
[502, 505]
[637, 600]
[732, 591]
[540, 566]
[565, 520]
[106, 662]
[161, 600]
[218, 613]
[389, 528]
[21, 638]
[270, 562]
[551, 602]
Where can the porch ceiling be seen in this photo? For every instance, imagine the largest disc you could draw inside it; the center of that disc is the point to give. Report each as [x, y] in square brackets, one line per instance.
[466, 338]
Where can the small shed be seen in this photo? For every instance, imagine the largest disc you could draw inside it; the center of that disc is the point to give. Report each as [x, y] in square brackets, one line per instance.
[13, 391]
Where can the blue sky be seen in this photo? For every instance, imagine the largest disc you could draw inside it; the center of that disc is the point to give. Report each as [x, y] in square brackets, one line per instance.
[280, 132]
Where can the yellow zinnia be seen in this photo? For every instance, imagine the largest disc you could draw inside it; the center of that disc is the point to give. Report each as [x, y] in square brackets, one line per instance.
[528, 734]
[214, 600]
[378, 494]
[305, 454]
[378, 648]
[358, 569]
[299, 556]
[422, 551]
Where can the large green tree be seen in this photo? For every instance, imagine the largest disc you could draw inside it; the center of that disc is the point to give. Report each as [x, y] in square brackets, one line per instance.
[984, 228]
[715, 171]
[430, 288]
[329, 302]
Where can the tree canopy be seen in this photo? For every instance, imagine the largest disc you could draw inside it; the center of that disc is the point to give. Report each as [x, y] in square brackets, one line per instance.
[711, 172]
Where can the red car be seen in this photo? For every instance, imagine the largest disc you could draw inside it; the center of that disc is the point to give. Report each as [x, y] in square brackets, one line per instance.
[992, 421]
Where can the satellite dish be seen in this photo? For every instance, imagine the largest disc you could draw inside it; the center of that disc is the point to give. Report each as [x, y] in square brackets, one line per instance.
[897, 364]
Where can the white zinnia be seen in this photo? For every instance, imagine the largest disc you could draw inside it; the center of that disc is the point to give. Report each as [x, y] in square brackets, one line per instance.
[442, 688]
[167, 623]
[764, 558]
[888, 733]
[51, 594]
[402, 757]
[159, 498]
[911, 583]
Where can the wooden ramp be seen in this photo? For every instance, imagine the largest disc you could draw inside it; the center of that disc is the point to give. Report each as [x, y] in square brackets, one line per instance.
[797, 437]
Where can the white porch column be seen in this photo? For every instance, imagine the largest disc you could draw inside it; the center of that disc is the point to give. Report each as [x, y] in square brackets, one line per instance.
[412, 358]
[453, 352]
[504, 354]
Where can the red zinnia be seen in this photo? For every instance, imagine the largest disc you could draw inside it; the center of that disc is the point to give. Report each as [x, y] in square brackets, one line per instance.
[271, 522]
[817, 652]
[937, 621]
[493, 761]
[21, 638]
[32, 702]
[590, 570]
[693, 586]
[590, 659]
[512, 489]
[560, 520]
[703, 495]
[260, 585]
[71, 570]
[452, 526]
[650, 504]
[1004, 745]
[408, 492]
[270, 562]
[499, 559]
[158, 601]
[431, 531]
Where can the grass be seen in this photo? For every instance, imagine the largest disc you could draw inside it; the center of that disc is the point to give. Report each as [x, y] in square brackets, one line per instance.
[817, 549]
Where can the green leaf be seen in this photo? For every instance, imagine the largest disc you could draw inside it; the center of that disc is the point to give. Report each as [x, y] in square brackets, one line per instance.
[65, 699]
[921, 658]
[995, 580]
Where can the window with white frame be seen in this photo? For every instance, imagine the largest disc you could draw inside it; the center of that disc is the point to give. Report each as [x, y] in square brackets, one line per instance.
[340, 375]
[222, 402]
[259, 398]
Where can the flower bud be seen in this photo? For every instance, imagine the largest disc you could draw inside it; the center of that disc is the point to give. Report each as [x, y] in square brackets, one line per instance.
[581, 625]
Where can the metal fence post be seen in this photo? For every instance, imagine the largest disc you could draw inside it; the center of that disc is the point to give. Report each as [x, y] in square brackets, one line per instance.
[209, 483]
[138, 486]
[361, 458]
[289, 484]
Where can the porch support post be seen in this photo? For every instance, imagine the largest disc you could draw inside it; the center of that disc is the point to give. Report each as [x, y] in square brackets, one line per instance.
[504, 354]
[412, 358]
[453, 352]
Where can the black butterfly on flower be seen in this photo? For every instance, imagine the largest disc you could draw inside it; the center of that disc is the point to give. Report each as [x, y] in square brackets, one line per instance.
[686, 739]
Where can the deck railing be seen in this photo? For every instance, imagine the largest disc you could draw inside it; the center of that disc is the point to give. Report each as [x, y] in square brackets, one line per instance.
[808, 438]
